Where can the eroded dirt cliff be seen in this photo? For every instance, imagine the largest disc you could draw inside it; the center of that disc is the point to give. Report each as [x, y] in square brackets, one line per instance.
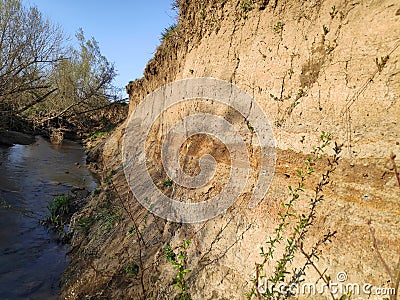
[312, 66]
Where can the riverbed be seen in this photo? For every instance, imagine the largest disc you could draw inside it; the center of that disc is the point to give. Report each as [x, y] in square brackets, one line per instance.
[31, 260]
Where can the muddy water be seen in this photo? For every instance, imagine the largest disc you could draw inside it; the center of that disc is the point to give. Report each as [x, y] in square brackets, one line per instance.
[31, 261]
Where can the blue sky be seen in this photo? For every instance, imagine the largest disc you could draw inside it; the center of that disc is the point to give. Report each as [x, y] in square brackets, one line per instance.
[128, 32]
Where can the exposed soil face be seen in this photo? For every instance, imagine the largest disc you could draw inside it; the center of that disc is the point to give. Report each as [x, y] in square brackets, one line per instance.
[226, 248]
[312, 67]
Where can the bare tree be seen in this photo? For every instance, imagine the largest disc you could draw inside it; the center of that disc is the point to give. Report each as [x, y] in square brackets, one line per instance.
[42, 78]
[29, 46]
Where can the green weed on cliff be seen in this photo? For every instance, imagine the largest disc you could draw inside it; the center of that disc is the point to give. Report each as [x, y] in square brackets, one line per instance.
[333, 12]
[132, 269]
[168, 32]
[381, 63]
[167, 183]
[291, 233]
[178, 261]
[245, 8]
[278, 28]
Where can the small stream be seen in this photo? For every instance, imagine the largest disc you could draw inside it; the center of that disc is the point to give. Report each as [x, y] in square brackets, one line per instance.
[31, 261]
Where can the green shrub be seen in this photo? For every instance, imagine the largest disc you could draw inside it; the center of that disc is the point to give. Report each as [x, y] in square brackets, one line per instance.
[168, 32]
[59, 211]
[178, 261]
[167, 183]
[278, 28]
[245, 7]
[292, 231]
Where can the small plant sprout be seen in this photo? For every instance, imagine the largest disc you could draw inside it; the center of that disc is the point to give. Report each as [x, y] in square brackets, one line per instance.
[274, 97]
[325, 141]
[301, 93]
[167, 183]
[326, 29]
[381, 63]
[278, 28]
[96, 135]
[132, 269]
[131, 230]
[203, 14]
[333, 12]
[251, 128]
[245, 7]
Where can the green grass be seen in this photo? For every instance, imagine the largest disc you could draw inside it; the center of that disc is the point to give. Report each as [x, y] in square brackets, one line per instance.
[132, 269]
[97, 134]
[167, 33]
[246, 7]
[59, 210]
[106, 129]
[109, 218]
[85, 223]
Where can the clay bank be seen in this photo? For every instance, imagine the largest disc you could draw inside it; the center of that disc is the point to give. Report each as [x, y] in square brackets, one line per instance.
[322, 72]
